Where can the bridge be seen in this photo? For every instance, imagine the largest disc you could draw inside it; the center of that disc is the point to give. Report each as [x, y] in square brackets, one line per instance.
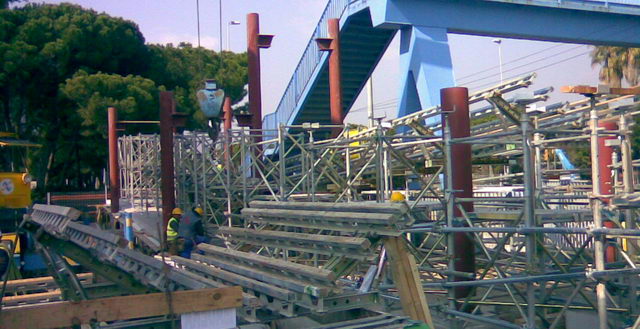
[368, 26]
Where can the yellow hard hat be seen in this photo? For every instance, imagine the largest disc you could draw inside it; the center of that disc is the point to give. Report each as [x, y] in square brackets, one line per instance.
[397, 197]
[176, 211]
[198, 211]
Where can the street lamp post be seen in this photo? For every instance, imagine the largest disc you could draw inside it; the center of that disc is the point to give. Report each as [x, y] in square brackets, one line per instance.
[499, 43]
[220, 21]
[228, 29]
[198, 19]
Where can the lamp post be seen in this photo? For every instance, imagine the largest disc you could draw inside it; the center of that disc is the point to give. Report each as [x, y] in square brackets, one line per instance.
[228, 29]
[499, 43]
[198, 19]
[220, 21]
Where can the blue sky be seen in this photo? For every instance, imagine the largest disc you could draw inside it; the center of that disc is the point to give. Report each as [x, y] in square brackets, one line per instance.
[164, 21]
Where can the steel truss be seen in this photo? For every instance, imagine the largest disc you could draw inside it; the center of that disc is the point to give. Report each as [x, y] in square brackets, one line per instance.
[540, 244]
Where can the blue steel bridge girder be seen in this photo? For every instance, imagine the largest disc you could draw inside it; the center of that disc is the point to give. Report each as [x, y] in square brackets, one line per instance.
[425, 60]
[515, 19]
[425, 68]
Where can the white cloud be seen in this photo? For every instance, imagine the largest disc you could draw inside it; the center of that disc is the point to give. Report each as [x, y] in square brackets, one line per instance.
[176, 38]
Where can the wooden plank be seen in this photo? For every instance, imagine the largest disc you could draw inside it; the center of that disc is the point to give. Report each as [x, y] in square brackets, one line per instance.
[41, 297]
[407, 280]
[268, 262]
[119, 308]
[45, 282]
[594, 90]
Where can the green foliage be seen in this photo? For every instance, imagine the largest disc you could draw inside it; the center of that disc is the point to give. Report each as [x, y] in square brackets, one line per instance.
[183, 69]
[5, 3]
[620, 63]
[135, 97]
[617, 63]
[61, 66]
[484, 119]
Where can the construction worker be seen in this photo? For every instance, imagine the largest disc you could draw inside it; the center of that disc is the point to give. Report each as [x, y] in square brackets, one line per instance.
[191, 230]
[173, 226]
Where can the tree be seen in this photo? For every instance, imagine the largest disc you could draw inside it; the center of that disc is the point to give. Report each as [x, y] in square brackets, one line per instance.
[617, 63]
[61, 66]
[135, 97]
[5, 3]
[40, 47]
[183, 69]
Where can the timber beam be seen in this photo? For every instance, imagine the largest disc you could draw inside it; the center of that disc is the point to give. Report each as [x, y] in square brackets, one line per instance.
[67, 314]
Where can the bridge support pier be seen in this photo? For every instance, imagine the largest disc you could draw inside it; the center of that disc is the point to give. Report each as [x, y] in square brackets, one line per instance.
[425, 68]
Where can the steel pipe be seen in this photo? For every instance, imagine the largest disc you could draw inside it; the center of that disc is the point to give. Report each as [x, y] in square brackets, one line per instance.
[455, 102]
[114, 166]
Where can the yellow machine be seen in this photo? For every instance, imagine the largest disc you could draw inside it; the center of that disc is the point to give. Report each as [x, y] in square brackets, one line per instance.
[15, 187]
[15, 190]
[15, 181]
[15, 195]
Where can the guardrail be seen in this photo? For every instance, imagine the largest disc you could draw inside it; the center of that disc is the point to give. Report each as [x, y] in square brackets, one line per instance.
[306, 67]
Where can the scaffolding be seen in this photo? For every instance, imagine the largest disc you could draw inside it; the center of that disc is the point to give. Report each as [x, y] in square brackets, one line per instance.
[544, 245]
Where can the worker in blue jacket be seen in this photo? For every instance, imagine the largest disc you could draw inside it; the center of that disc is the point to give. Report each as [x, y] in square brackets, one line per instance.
[191, 230]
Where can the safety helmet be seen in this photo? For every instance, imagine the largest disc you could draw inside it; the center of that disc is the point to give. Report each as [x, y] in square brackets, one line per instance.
[397, 197]
[176, 211]
[198, 211]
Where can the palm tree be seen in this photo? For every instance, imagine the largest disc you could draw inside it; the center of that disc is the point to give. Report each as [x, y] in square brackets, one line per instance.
[617, 63]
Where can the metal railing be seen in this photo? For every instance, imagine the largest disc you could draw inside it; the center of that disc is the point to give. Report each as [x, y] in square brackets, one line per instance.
[605, 2]
[306, 67]
[602, 3]
[312, 57]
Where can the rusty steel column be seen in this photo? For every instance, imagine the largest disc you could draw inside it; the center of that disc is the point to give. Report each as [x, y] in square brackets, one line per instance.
[456, 101]
[605, 160]
[167, 128]
[253, 58]
[335, 84]
[228, 115]
[114, 166]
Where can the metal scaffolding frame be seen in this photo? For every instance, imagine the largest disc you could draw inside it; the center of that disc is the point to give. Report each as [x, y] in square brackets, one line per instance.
[540, 244]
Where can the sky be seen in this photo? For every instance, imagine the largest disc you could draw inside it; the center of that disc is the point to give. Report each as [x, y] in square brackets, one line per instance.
[475, 59]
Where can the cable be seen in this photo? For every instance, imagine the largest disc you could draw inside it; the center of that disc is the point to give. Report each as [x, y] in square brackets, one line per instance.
[526, 64]
[535, 69]
[595, 32]
[381, 104]
[392, 103]
[511, 61]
